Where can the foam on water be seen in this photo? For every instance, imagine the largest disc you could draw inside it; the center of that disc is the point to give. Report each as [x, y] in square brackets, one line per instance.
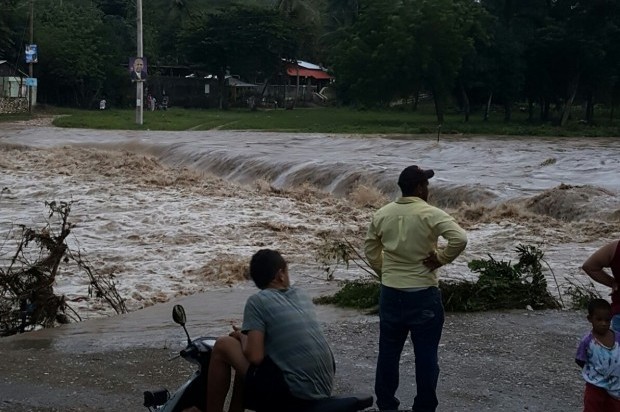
[175, 213]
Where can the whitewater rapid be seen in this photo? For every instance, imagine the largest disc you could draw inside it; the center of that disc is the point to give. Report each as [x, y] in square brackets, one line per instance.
[173, 213]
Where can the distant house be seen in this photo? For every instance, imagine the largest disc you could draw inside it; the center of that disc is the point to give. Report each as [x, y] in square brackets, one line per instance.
[240, 91]
[308, 74]
[13, 89]
[299, 81]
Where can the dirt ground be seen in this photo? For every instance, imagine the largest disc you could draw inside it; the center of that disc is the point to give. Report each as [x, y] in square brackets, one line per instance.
[493, 361]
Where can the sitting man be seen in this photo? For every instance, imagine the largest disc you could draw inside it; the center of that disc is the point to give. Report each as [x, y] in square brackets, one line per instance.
[280, 356]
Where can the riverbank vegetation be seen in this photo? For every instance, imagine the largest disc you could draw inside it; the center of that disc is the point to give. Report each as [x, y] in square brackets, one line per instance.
[400, 122]
[553, 62]
[32, 260]
[499, 285]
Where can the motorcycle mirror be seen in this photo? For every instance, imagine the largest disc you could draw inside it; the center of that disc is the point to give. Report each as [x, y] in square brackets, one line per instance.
[178, 315]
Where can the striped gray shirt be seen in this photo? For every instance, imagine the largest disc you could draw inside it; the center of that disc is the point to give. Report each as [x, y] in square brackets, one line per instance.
[293, 340]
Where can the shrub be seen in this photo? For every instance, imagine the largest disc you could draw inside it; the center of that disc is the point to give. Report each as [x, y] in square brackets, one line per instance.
[501, 285]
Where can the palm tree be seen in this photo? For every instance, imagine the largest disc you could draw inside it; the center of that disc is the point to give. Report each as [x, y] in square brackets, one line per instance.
[342, 13]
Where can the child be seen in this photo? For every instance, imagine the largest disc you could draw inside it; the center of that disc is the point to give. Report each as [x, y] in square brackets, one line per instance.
[599, 356]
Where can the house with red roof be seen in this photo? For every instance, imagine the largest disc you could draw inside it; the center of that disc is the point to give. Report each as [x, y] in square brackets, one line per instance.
[308, 74]
[299, 81]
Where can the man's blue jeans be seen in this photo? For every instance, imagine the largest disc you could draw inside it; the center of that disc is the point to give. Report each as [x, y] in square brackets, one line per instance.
[402, 313]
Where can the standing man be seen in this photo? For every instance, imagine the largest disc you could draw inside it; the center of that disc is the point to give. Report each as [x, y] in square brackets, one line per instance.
[401, 247]
[608, 256]
[281, 358]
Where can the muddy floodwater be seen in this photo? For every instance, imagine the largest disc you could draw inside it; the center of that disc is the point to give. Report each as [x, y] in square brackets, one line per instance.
[174, 214]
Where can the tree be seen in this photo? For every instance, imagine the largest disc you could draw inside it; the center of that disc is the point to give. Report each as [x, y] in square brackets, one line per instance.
[445, 32]
[77, 56]
[301, 10]
[306, 16]
[114, 7]
[162, 22]
[574, 51]
[339, 16]
[13, 22]
[342, 13]
[372, 53]
[246, 40]
[601, 51]
[393, 46]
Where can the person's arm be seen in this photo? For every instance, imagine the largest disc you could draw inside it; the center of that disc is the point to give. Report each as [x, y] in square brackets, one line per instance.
[582, 351]
[240, 336]
[600, 259]
[456, 237]
[254, 349]
[253, 331]
[373, 249]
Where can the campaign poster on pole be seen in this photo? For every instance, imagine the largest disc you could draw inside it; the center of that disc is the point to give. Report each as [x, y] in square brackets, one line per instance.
[137, 69]
[31, 53]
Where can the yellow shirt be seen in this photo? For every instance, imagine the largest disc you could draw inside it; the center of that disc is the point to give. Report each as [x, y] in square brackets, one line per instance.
[402, 234]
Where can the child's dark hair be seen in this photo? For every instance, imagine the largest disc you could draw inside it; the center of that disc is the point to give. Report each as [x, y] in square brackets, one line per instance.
[596, 304]
[264, 266]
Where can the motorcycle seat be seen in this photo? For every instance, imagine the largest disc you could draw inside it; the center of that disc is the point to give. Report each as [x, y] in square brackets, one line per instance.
[341, 403]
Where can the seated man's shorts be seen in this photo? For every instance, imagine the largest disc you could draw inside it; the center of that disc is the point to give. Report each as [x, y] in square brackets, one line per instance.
[266, 390]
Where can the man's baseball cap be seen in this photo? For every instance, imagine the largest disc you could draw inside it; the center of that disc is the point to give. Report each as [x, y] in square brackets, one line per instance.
[413, 175]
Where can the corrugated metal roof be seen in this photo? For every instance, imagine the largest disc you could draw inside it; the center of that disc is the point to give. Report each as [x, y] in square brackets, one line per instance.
[316, 74]
[307, 65]
[233, 81]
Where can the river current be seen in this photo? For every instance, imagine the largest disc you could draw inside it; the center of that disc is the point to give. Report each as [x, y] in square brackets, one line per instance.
[171, 213]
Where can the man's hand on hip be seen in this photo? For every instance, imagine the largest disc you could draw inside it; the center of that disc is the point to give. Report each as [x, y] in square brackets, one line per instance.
[431, 261]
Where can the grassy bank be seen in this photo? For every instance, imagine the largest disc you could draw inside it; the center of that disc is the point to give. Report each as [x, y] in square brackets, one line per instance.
[14, 117]
[326, 120]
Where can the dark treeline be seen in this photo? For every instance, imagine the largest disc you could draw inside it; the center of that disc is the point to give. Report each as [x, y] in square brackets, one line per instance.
[542, 56]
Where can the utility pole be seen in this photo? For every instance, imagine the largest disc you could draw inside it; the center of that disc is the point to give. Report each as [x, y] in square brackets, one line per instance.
[139, 83]
[30, 68]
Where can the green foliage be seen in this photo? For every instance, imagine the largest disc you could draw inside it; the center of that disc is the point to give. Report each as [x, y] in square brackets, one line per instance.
[9, 29]
[243, 39]
[393, 46]
[306, 17]
[378, 39]
[331, 254]
[249, 41]
[12, 117]
[500, 285]
[354, 294]
[581, 294]
[552, 55]
[75, 59]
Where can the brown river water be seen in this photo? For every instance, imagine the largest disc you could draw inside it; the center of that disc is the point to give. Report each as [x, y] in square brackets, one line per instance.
[175, 213]
[175, 216]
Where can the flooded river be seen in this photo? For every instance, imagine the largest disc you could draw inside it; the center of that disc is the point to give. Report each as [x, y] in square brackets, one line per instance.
[173, 213]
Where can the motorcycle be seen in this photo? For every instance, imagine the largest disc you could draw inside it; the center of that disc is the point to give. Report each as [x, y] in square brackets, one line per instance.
[192, 394]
